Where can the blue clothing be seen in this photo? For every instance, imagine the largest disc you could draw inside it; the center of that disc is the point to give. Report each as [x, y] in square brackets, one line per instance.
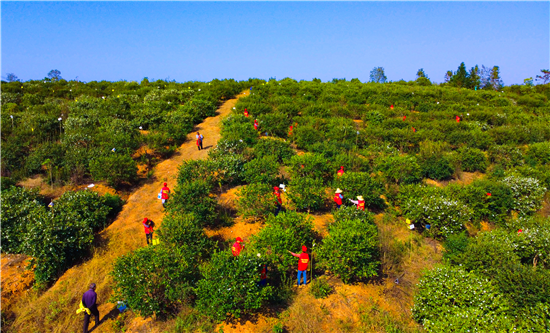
[89, 299]
[305, 276]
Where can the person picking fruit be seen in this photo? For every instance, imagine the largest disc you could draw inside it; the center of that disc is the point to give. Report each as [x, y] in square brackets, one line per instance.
[278, 200]
[360, 202]
[341, 171]
[338, 198]
[237, 247]
[303, 261]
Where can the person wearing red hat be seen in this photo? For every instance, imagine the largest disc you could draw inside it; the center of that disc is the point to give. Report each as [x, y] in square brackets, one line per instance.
[246, 112]
[303, 261]
[278, 200]
[237, 247]
[256, 124]
[164, 194]
[341, 171]
[148, 225]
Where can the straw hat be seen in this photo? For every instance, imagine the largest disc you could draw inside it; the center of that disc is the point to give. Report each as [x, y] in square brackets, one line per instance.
[360, 198]
[338, 190]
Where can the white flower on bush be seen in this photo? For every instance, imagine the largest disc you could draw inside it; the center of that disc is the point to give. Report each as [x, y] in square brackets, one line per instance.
[527, 193]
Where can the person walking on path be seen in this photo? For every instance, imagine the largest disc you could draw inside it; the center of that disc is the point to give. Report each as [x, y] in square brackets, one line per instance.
[340, 172]
[148, 225]
[360, 202]
[89, 300]
[278, 200]
[303, 261]
[164, 194]
[338, 198]
[256, 125]
[237, 247]
[199, 140]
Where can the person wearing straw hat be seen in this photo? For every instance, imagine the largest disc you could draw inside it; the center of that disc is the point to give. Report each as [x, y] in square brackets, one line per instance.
[303, 261]
[360, 202]
[338, 198]
[237, 247]
[341, 171]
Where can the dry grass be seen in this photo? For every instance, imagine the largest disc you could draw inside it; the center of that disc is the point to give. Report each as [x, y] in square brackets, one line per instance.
[125, 234]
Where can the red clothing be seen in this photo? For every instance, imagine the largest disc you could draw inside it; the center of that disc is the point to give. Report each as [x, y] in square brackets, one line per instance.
[236, 249]
[263, 275]
[361, 204]
[340, 172]
[457, 119]
[165, 191]
[246, 113]
[148, 228]
[256, 125]
[338, 198]
[278, 197]
[303, 261]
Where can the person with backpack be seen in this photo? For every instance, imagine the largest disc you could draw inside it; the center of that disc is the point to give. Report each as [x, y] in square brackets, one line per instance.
[303, 261]
[199, 140]
[148, 225]
[164, 194]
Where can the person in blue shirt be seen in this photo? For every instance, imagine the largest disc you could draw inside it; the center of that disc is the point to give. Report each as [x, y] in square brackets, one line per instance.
[89, 300]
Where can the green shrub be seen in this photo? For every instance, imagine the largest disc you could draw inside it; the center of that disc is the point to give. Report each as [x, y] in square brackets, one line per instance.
[237, 128]
[307, 193]
[472, 159]
[454, 246]
[320, 288]
[227, 147]
[360, 183]
[261, 170]
[310, 166]
[445, 292]
[287, 231]
[437, 167]
[538, 153]
[230, 286]
[230, 168]
[190, 170]
[305, 136]
[184, 232]
[154, 280]
[194, 197]
[256, 200]
[350, 251]
[274, 124]
[399, 169]
[506, 155]
[114, 168]
[527, 193]
[279, 149]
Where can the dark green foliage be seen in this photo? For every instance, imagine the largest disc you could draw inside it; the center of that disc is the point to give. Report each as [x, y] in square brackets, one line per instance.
[399, 169]
[437, 167]
[307, 194]
[360, 183]
[350, 251]
[229, 286]
[472, 159]
[191, 170]
[185, 232]
[155, 280]
[538, 153]
[274, 124]
[114, 168]
[194, 197]
[285, 232]
[256, 200]
[279, 149]
[262, 170]
[311, 166]
[454, 246]
[237, 128]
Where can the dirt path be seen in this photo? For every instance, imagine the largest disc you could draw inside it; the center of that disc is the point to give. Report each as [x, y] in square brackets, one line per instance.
[54, 310]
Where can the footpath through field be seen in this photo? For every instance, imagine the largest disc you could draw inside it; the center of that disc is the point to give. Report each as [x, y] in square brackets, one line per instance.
[54, 311]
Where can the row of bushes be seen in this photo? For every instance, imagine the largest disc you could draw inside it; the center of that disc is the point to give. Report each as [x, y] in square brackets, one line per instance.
[55, 237]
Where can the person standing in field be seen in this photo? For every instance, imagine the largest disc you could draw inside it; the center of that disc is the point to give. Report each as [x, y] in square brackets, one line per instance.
[338, 198]
[303, 261]
[360, 202]
[89, 300]
[278, 200]
[340, 172]
[246, 113]
[148, 225]
[256, 125]
[164, 194]
[199, 140]
[237, 247]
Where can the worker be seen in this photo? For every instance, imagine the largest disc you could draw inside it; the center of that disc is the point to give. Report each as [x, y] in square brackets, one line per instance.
[457, 119]
[256, 124]
[404, 118]
[148, 225]
[338, 198]
[263, 276]
[246, 112]
[391, 107]
[237, 247]
[199, 140]
[164, 192]
[360, 202]
[278, 200]
[341, 171]
[290, 130]
[303, 262]
[89, 300]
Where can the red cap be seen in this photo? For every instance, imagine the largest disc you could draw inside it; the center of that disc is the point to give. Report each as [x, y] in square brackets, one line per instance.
[341, 167]
[488, 194]
[276, 188]
[239, 239]
[145, 220]
[520, 231]
[165, 184]
[304, 248]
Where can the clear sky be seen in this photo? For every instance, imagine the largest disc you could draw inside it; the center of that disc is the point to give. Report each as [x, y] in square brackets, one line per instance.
[201, 41]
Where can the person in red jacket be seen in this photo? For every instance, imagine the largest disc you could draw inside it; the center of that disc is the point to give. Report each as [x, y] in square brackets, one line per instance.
[246, 112]
[237, 247]
[340, 172]
[164, 194]
[263, 276]
[148, 225]
[256, 124]
[278, 200]
[338, 198]
[290, 130]
[303, 261]
[360, 202]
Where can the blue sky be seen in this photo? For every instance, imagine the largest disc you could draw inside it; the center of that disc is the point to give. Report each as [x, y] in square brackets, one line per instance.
[205, 40]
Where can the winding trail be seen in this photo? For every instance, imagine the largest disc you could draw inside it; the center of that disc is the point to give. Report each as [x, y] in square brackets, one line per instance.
[54, 310]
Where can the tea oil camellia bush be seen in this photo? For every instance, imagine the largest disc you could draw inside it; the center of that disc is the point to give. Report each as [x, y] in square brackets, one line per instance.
[527, 193]
[114, 168]
[194, 197]
[400, 169]
[261, 170]
[350, 251]
[185, 232]
[287, 231]
[155, 280]
[277, 148]
[230, 286]
[307, 194]
[310, 166]
[256, 200]
[472, 159]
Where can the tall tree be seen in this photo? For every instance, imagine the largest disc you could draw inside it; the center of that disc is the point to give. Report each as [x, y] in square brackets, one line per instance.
[421, 73]
[55, 75]
[545, 77]
[10, 77]
[495, 79]
[474, 78]
[377, 75]
[460, 77]
[485, 74]
[448, 76]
